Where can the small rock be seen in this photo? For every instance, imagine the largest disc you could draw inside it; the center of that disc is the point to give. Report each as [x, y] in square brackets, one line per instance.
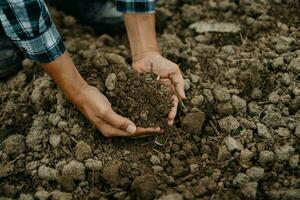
[66, 182]
[294, 161]
[58, 195]
[255, 173]
[239, 104]
[54, 119]
[263, 131]
[240, 179]
[256, 93]
[93, 165]
[297, 130]
[254, 108]
[225, 108]
[278, 63]
[249, 190]
[223, 153]
[229, 124]
[274, 97]
[157, 168]
[42, 195]
[222, 27]
[245, 157]
[154, 160]
[111, 81]
[283, 132]
[47, 173]
[144, 187]
[14, 145]
[197, 100]
[187, 84]
[193, 122]
[232, 144]
[222, 94]
[291, 194]
[26, 197]
[266, 156]
[34, 138]
[69, 21]
[111, 173]
[195, 78]
[294, 66]
[74, 169]
[286, 80]
[54, 140]
[83, 151]
[284, 152]
[173, 196]
[194, 168]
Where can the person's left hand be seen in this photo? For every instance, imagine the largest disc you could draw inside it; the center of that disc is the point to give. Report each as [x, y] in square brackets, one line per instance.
[168, 72]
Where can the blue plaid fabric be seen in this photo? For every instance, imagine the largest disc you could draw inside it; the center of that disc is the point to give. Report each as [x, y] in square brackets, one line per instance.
[29, 25]
[133, 6]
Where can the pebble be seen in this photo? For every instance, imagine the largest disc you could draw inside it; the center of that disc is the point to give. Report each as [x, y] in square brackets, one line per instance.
[208, 94]
[197, 100]
[240, 179]
[255, 173]
[249, 190]
[54, 140]
[239, 104]
[111, 173]
[246, 156]
[278, 63]
[34, 138]
[274, 97]
[42, 195]
[284, 152]
[297, 130]
[223, 153]
[254, 108]
[222, 94]
[193, 122]
[194, 168]
[154, 160]
[47, 173]
[83, 151]
[229, 124]
[256, 93]
[232, 144]
[187, 84]
[283, 132]
[225, 108]
[144, 187]
[294, 66]
[294, 161]
[93, 165]
[266, 156]
[54, 119]
[58, 195]
[14, 145]
[172, 196]
[26, 197]
[157, 168]
[74, 169]
[195, 78]
[263, 131]
[111, 81]
[285, 79]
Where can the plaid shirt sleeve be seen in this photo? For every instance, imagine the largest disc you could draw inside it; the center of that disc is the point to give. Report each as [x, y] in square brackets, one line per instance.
[29, 25]
[136, 6]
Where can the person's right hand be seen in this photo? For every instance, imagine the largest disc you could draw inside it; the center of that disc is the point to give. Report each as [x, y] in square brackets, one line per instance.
[96, 107]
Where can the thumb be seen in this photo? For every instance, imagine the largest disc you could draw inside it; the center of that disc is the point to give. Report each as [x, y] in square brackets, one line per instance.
[119, 122]
[178, 82]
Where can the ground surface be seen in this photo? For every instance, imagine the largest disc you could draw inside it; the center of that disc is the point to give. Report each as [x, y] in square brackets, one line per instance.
[246, 83]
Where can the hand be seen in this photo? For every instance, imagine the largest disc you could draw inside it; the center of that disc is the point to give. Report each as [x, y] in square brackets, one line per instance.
[95, 106]
[168, 72]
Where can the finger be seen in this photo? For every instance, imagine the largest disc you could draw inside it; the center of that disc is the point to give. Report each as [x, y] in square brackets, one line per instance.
[173, 112]
[118, 121]
[146, 132]
[108, 130]
[178, 82]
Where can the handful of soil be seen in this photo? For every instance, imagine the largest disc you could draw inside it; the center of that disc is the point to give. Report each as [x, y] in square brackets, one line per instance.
[141, 98]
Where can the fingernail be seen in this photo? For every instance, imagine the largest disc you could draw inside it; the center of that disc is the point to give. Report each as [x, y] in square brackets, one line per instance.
[171, 123]
[131, 129]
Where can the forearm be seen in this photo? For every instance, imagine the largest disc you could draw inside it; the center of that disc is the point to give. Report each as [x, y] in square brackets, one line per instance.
[66, 76]
[141, 33]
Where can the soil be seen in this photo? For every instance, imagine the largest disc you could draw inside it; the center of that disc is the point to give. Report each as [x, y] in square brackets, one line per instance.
[235, 137]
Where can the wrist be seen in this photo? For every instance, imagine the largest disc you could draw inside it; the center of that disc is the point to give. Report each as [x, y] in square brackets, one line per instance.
[144, 53]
